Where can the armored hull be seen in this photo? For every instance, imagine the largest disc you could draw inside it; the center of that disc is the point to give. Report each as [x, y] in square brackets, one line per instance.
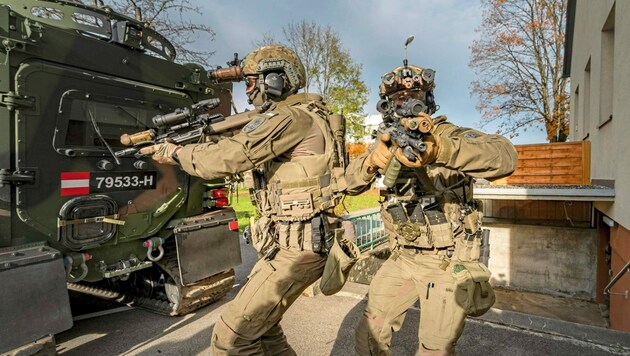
[73, 79]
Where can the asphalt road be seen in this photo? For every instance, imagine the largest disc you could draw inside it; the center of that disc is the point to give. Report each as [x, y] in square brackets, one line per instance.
[314, 326]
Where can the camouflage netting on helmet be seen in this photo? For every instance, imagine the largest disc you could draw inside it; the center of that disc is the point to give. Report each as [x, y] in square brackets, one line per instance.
[407, 78]
[276, 58]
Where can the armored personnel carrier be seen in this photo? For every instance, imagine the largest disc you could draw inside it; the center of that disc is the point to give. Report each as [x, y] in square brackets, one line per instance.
[75, 214]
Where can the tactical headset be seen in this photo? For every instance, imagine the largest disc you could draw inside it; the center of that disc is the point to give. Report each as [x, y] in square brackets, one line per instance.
[275, 84]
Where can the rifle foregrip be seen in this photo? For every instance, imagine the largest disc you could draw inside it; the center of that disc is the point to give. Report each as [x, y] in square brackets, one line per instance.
[130, 140]
[391, 173]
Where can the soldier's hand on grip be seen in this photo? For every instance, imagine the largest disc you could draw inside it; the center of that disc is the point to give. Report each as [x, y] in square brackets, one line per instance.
[380, 156]
[429, 156]
[163, 153]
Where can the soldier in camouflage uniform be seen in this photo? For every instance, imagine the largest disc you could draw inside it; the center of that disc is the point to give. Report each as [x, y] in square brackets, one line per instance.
[433, 223]
[295, 160]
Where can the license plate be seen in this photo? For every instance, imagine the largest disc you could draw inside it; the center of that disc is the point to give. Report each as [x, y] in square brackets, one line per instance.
[101, 182]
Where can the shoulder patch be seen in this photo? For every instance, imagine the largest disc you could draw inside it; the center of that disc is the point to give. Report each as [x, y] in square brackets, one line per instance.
[257, 121]
[465, 133]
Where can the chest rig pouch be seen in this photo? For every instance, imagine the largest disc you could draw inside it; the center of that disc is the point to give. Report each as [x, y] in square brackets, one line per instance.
[298, 194]
[413, 217]
[418, 224]
[468, 243]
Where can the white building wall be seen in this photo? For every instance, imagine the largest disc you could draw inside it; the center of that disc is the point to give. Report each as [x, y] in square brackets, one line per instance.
[591, 73]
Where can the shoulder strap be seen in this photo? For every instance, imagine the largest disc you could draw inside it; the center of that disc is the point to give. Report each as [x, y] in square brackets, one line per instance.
[336, 160]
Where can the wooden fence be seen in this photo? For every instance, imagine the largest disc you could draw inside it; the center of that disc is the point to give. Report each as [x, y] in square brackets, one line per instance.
[564, 163]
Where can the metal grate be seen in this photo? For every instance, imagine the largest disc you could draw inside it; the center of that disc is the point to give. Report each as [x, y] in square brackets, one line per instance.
[368, 229]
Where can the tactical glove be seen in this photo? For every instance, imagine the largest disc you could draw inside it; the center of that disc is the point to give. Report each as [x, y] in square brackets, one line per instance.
[163, 153]
[379, 157]
[432, 141]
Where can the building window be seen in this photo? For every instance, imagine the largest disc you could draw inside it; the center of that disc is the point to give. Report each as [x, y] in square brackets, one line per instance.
[607, 69]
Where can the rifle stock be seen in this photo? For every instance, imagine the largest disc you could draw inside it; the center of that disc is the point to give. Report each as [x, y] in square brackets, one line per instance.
[230, 123]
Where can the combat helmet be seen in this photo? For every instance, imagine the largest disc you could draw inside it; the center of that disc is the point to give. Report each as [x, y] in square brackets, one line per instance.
[408, 82]
[410, 77]
[278, 67]
[407, 90]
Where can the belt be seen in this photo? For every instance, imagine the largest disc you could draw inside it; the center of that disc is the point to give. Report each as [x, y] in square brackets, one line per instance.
[427, 251]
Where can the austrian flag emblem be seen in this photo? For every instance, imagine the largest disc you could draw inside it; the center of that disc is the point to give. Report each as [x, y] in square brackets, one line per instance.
[75, 183]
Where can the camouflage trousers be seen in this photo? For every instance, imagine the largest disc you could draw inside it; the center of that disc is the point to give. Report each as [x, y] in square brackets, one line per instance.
[405, 278]
[250, 323]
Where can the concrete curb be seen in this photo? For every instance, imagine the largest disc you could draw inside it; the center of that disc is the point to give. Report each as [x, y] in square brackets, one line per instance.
[535, 323]
[542, 324]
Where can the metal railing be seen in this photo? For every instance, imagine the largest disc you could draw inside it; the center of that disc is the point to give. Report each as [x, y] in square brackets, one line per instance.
[369, 231]
[623, 271]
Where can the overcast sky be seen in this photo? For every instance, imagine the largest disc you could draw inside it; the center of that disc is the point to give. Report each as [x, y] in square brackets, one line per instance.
[374, 32]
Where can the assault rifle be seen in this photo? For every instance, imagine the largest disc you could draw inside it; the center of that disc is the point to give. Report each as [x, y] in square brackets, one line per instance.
[401, 120]
[406, 133]
[189, 125]
[182, 126]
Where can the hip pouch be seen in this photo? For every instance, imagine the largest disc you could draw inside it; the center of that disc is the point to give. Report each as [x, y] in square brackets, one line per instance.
[342, 256]
[440, 229]
[263, 237]
[468, 247]
[473, 292]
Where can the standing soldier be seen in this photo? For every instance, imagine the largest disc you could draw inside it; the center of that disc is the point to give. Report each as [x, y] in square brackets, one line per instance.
[430, 215]
[298, 171]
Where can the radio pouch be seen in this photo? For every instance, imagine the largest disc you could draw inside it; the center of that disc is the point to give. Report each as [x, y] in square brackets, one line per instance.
[473, 293]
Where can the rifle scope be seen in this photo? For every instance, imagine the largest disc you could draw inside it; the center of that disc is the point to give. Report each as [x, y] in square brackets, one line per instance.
[172, 118]
[180, 115]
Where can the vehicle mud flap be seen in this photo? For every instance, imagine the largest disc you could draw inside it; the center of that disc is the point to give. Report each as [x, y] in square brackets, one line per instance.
[33, 295]
[206, 246]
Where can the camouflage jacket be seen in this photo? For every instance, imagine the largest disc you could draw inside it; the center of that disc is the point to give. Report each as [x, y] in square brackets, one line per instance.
[463, 152]
[281, 132]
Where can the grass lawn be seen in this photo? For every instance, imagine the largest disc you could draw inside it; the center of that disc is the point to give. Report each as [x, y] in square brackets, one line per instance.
[244, 208]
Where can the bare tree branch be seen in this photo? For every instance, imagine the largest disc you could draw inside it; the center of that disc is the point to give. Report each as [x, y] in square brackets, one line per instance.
[171, 19]
[518, 59]
[330, 69]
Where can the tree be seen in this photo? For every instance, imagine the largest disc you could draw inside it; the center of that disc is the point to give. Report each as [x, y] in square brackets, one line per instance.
[330, 69]
[518, 60]
[356, 149]
[171, 19]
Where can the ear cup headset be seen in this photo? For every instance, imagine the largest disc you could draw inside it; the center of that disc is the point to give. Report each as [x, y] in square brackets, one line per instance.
[275, 84]
[279, 73]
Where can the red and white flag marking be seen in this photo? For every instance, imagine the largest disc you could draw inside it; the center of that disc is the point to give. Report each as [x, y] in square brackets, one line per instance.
[75, 183]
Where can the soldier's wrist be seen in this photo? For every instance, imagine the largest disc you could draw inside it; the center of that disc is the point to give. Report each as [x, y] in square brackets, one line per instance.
[175, 156]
